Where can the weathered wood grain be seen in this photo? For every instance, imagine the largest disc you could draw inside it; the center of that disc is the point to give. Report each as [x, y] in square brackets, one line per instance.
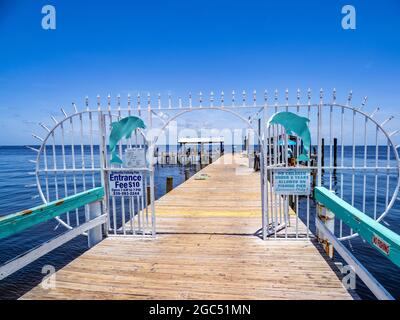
[206, 248]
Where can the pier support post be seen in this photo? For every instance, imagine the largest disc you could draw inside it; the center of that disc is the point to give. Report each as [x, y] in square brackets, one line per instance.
[292, 202]
[169, 185]
[148, 195]
[328, 218]
[322, 155]
[256, 162]
[95, 235]
[335, 152]
[187, 174]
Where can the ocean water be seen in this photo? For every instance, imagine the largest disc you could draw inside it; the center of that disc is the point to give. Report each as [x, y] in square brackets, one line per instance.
[17, 194]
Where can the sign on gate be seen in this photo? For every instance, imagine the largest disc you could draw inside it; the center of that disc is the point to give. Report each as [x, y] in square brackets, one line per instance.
[135, 158]
[292, 182]
[125, 183]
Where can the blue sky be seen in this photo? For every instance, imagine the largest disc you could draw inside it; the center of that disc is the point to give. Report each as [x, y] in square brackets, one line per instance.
[181, 46]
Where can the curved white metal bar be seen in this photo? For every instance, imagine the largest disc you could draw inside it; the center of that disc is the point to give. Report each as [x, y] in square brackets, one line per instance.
[246, 121]
[225, 109]
[232, 110]
[50, 133]
[389, 138]
[392, 144]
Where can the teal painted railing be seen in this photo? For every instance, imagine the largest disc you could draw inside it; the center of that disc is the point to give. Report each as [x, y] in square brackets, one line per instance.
[16, 222]
[378, 236]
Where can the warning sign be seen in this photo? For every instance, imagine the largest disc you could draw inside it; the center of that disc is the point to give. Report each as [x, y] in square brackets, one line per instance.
[292, 182]
[135, 158]
[124, 183]
[381, 244]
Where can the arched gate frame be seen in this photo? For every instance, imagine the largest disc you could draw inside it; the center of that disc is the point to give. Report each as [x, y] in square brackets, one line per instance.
[73, 157]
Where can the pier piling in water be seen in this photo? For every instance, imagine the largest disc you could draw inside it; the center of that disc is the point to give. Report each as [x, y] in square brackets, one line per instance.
[334, 152]
[148, 193]
[169, 184]
[187, 174]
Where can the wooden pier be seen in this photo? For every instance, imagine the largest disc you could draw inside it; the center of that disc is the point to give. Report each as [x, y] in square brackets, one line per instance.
[207, 247]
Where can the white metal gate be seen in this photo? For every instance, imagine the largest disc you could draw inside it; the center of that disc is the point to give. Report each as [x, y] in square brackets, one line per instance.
[129, 215]
[351, 154]
[74, 157]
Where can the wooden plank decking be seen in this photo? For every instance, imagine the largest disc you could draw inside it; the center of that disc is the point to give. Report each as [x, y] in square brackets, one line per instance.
[227, 202]
[205, 249]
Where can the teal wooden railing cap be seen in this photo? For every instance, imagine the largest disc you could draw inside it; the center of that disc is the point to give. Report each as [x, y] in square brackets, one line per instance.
[16, 222]
[377, 235]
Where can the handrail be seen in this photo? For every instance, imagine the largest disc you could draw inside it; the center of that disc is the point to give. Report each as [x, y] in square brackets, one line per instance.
[16, 222]
[376, 288]
[378, 236]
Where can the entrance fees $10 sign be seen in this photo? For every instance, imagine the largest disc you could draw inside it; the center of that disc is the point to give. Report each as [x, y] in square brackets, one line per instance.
[292, 182]
[125, 183]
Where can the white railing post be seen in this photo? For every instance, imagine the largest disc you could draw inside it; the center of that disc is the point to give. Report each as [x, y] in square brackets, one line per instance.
[95, 235]
[319, 139]
[327, 217]
[376, 288]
